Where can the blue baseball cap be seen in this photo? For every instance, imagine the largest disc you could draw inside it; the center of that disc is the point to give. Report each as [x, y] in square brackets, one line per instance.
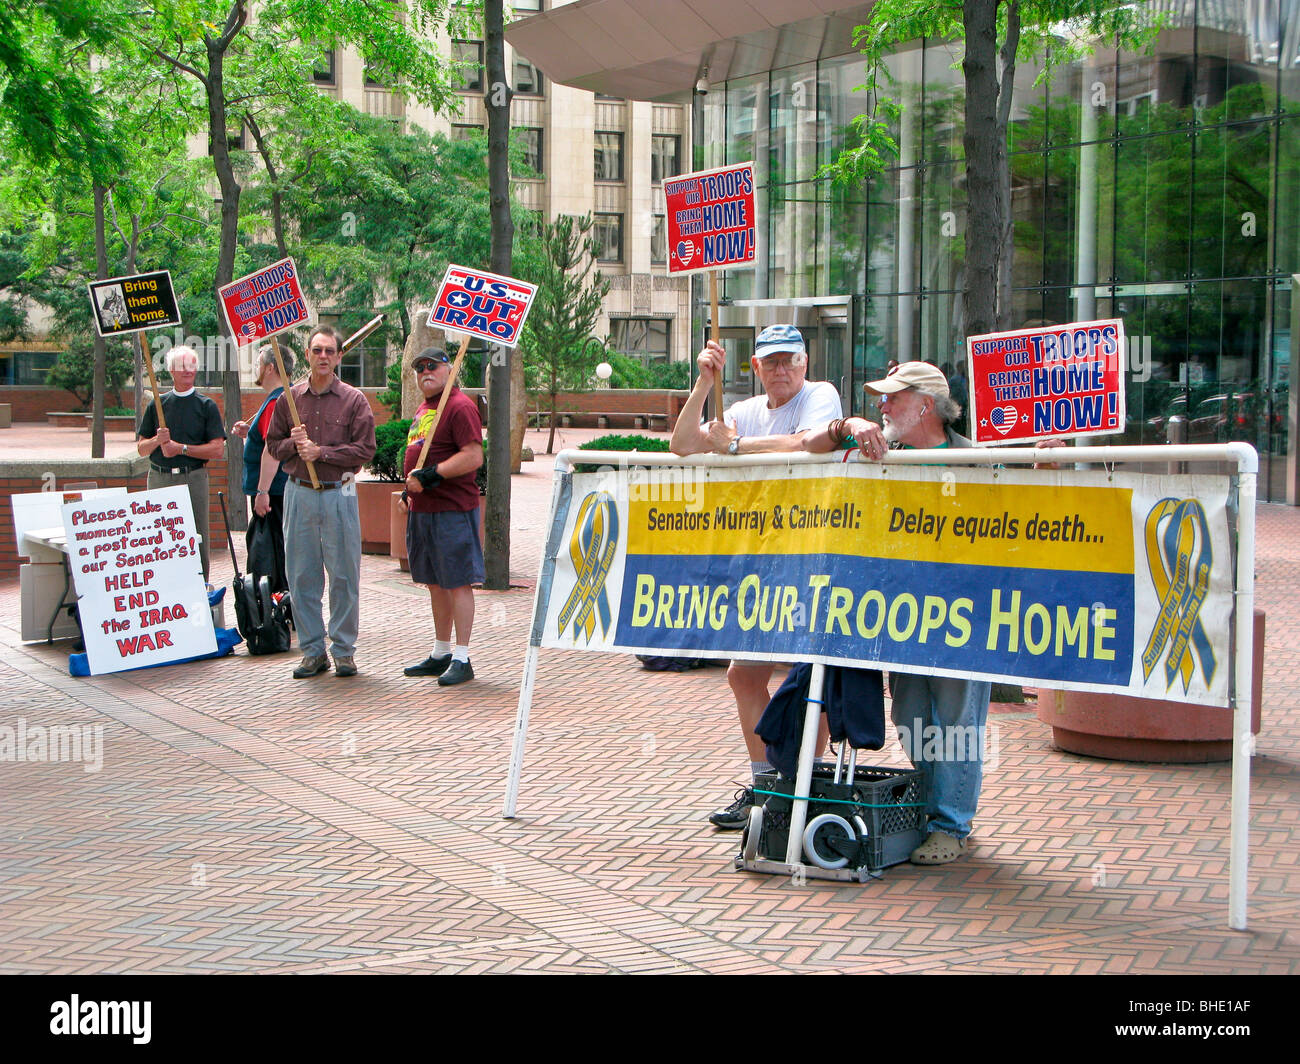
[776, 339]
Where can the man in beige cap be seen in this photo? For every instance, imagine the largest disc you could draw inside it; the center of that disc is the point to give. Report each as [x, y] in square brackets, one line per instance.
[918, 412]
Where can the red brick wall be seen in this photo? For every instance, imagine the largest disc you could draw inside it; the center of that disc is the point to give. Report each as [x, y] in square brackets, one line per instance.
[35, 481]
[21, 485]
[32, 404]
[627, 401]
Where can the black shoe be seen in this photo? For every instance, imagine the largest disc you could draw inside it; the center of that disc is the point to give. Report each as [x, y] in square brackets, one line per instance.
[457, 672]
[735, 816]
[430, 666]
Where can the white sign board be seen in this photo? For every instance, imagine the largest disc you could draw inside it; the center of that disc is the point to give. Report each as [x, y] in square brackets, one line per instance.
[140, 589]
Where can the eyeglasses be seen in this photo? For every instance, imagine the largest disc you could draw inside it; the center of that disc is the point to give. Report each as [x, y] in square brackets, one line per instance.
[323, 350]
[788, 363]
[426, 366]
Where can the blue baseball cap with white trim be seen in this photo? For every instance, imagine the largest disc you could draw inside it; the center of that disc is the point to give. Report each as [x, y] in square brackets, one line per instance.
[776, 339]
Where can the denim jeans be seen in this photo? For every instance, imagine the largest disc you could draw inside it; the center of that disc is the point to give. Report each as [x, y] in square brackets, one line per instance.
[941, 726]
[322, 535]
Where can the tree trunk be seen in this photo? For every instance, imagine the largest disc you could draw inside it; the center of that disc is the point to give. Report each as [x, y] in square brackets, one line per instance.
[101, 352]
[277, 200]
[1007, 87]
[498, 94]
[230, 190]
[985, 222]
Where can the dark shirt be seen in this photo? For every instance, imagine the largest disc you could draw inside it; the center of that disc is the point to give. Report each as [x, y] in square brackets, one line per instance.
[193, 419]
[338, 420]
[255, 444]
[458, 426]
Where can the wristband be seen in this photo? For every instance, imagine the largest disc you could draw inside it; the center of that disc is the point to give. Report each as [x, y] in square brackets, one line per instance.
[427, 477]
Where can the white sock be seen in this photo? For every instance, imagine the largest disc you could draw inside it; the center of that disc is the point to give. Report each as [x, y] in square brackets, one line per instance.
[441, 648]
[460, 653]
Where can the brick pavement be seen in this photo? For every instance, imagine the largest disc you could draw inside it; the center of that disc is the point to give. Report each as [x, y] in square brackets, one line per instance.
[247, 822]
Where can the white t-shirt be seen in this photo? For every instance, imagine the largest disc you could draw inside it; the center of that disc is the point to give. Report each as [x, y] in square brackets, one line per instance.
[816, 404]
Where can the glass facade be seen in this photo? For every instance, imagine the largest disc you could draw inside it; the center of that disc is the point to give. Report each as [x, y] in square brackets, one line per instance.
[1161, 188]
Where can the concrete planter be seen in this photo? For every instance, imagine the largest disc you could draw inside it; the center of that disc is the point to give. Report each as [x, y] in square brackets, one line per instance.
[397, 531]
[76, 419]
[373, 498]
[1123, 728]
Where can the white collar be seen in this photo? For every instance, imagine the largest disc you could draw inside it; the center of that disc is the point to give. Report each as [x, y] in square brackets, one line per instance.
[182, 395]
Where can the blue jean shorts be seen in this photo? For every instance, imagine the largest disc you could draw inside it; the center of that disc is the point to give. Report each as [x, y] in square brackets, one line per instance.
[443, 548]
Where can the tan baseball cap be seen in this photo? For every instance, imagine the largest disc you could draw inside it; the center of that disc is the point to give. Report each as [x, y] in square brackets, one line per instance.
[919, 375]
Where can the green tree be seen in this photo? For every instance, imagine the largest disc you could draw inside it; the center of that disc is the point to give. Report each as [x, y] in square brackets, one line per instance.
[378, 225]
[262, 69]
[45, 91]
[997, 35]
[75, 370]
[564, 312]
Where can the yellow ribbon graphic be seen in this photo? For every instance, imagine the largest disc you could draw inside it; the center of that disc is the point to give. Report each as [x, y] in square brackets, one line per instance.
[1179, 556]
[591, 548]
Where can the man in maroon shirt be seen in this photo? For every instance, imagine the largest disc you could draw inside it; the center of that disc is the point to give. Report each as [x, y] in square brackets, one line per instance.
[322, 525]
[442, 530]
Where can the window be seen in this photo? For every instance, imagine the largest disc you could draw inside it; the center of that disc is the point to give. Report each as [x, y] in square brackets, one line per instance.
[526, 5]
[609, 156]
[528, 79]
[609, 237]
[465, 132]
[26, 367]
[323, 72]
[665, 156]
[530, 140]
[659, 240]
[468, 56]
[644, 338]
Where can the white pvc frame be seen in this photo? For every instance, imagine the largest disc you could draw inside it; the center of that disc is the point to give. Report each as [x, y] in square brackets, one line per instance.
[1242, 455]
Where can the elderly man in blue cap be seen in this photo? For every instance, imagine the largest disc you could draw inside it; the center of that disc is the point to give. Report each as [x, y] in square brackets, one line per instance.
[774, 421]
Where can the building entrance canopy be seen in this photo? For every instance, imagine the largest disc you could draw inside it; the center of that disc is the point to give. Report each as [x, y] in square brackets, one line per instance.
[655, 49]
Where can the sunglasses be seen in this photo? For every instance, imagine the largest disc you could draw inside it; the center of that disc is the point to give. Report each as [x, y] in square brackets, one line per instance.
[425, 365]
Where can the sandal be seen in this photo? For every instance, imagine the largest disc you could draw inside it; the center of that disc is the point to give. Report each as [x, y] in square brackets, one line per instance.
[938, 848]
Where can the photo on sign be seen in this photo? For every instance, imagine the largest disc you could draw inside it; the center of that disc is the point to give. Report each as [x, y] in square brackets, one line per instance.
[112, 303]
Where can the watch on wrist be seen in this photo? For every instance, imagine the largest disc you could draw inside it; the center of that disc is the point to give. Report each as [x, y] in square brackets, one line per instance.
[185, 448]
[734, 446]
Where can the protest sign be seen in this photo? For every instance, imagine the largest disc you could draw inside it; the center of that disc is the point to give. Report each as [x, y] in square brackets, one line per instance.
[710, 219]
[134, 304]
[1069, 579]
[1054, 382]
[486, 305]
[264, 303]
[140, 590]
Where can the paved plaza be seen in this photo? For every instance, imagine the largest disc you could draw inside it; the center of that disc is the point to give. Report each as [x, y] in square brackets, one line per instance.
[244, 821]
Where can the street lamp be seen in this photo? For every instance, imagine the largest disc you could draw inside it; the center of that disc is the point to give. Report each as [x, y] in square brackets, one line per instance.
[604, 371]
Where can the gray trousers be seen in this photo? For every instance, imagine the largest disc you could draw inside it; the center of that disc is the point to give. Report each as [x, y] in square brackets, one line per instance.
[322, 535]
[197, 482]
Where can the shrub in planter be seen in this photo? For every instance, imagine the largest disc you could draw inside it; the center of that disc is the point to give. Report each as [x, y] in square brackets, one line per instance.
[390, 449]
[618, 442]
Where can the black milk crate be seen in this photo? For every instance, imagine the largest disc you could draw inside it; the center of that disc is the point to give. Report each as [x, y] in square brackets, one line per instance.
[890, 803]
